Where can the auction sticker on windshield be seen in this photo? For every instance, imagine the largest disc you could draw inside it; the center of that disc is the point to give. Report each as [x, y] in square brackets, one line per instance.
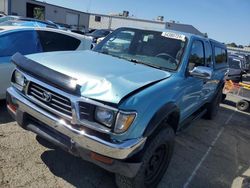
[173, 36]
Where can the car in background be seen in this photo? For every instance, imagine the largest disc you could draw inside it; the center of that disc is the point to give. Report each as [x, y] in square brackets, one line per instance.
[30, 41]
[244, 63]
[81, 32]
[236, 71]
[7, 18]
[2, 15]
[62, 26]
[98, 33]
[22, 21]
[248, 61]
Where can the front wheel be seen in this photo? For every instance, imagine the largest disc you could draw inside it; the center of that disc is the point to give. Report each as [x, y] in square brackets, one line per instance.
[155, 161]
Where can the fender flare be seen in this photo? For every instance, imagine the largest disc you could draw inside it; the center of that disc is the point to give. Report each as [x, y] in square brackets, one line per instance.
[160, 116]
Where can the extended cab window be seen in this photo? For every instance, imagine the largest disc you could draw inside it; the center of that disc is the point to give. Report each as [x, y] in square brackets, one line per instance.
[24, 42]
[52, 41]
[220, 55]
[197, 57]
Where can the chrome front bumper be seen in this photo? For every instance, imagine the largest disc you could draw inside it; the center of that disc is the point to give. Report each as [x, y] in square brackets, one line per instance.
[119, 150]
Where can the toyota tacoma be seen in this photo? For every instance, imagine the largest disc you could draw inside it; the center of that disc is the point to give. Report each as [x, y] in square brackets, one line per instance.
[120, 105]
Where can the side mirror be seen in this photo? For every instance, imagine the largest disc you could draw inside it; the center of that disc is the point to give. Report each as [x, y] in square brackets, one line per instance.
[202, 72]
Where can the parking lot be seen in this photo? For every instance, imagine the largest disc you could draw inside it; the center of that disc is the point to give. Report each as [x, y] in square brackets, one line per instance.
[207, 154]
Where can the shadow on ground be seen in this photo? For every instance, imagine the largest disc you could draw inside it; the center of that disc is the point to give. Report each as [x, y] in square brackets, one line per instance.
[75, 171]
[228, 157]
[229, 103]
[4, 115]
[233, 104]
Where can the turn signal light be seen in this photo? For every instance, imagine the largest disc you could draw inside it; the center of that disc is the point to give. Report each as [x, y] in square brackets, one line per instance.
[12, 107]
[101, 158]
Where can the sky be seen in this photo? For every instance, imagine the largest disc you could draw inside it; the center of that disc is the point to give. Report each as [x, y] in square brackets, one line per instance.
[224, 20]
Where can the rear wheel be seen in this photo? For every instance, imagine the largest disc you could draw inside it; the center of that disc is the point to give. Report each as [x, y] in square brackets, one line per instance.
[213, 106]
[242, 105]
[155, 159]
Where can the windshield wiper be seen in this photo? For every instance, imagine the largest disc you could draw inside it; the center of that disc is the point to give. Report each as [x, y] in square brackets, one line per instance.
[133, 60]
[143, 63]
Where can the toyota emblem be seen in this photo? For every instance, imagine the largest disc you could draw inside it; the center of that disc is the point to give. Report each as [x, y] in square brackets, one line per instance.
[46, 96]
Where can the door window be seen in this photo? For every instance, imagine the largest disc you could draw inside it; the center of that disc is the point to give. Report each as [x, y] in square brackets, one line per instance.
[24, 42]
[197, 57]
[52, 41]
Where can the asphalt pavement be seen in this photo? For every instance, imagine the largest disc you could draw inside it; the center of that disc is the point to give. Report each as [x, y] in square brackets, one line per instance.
[208, 154]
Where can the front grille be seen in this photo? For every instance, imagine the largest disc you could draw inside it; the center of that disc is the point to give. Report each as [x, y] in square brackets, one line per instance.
[51, 99]
[86, 111]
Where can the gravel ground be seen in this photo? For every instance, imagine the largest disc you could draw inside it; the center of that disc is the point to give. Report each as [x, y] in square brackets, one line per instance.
[207, 154]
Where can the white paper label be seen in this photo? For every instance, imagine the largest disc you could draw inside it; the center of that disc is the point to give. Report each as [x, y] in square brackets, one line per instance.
[145, 38]
[173, 36]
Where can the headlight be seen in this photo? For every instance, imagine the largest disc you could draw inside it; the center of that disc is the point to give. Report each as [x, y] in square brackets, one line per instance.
[19, 79]
[121, 121]
[124, 121]
[105, 116]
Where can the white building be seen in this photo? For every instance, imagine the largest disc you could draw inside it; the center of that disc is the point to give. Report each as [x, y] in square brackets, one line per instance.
[83, 20]
[245, 50]
[57, 14]
[99, 21]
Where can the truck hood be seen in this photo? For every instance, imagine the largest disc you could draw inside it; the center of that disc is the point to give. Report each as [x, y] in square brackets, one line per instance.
[101, 77]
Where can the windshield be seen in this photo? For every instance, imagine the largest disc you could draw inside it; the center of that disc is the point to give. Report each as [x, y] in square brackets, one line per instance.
[234, 63]
[161, 50]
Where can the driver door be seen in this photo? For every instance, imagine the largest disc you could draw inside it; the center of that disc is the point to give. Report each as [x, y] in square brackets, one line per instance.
[193, 86]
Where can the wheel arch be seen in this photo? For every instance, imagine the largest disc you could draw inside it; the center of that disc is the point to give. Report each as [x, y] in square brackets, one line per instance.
[168, 113]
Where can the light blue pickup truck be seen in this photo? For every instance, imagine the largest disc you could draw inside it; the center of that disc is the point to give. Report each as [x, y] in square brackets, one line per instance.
[120, 105]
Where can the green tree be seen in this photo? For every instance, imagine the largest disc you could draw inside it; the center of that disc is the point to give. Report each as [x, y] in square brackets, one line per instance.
[39, 13]
[232, 44]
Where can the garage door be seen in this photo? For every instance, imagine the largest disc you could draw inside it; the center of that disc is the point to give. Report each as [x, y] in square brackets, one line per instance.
[72, 19]
[2, 6]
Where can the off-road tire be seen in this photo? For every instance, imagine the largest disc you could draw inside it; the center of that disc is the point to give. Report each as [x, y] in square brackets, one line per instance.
[242, 105]
[213, 106]
[163, 140]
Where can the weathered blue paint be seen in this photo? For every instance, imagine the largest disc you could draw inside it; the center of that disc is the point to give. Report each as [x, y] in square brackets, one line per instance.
[108, 79]
[102, 77]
